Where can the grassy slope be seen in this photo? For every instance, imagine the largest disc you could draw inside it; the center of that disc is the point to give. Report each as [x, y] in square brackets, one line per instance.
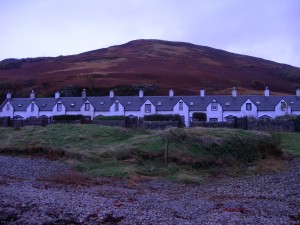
[109, 151]
[291, 142]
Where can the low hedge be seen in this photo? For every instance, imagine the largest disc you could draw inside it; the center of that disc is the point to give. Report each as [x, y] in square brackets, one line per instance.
[199, 116]
[167, 117]
[110, 118]
[68, 117]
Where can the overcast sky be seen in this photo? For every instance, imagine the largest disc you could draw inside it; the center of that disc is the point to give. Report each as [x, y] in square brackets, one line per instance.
[267, 29]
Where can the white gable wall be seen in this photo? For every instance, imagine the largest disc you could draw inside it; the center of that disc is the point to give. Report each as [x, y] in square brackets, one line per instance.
[62, 112]
[249, 113]
[32, 110]
[143, 109]
[184, 112]
[218, 114]
[7, 110]
[89, 112]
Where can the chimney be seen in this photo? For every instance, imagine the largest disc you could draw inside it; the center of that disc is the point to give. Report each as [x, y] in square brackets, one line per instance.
[32, 95]
[57, 95]
[202, 92]
[234, 92]
[298, 92]
[111, 94]
[8, 95]
[141, 93]
[171, 93]
[267, 92]
[83, 94]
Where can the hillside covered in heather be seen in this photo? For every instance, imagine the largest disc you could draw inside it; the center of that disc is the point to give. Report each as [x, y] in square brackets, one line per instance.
[154, 65]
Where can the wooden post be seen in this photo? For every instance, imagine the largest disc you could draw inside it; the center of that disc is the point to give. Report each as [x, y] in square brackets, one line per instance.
[167, 151]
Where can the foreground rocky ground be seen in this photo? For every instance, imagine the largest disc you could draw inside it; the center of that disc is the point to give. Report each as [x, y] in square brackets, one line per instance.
[30, 195]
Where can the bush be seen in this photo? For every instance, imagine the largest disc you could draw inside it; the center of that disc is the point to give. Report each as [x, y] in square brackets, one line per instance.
[167, 117]
[109, 118]
[198, 116]
[8, 64]
[258, 84]
[68, 117]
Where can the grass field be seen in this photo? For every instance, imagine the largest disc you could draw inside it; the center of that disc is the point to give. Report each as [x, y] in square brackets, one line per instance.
[193, 153]
[291, 142]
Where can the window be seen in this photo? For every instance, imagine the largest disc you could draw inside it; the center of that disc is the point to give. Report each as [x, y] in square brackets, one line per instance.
[59, 107]
[7, 107]
[87, 106]
[248, 106]
[283, 106]
[148, 108]
[116, 106]
[213, 120]
[180, 106]
[32, 107]
[214, 106]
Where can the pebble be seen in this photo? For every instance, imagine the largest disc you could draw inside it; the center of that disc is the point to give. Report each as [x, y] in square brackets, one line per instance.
[265, 199]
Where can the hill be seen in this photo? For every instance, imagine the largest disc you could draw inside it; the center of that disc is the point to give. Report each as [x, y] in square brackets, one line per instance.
[154, 65]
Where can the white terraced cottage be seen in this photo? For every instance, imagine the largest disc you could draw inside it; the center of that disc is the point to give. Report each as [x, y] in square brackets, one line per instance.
[217, 107]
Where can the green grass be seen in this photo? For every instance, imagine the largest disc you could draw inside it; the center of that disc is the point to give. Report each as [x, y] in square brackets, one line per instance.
[111, 151]
[291, 142]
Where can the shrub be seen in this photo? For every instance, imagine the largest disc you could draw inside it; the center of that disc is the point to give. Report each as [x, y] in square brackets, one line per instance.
[68, 117]
[258, 84]
[198, 116]
[110, 118]
[167, 117]
[8, 64]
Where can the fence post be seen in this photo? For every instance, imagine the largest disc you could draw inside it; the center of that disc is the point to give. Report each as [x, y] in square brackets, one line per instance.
[167, 152]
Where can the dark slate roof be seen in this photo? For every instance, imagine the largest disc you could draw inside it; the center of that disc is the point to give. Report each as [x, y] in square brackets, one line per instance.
[45, 104]
[162, 103]
[20, 104]
[73, 103]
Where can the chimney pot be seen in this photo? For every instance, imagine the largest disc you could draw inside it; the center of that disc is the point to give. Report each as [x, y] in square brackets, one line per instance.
[111, 94]
[234, 92]
[202, 92]
[57, 95]
[141, 93]
[84, 93]
[8, 95]
[267, 92]
[32, 95]
[298, 92]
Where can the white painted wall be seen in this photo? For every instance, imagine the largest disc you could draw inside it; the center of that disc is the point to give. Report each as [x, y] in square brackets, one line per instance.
[214, 114]
[142, 109]
[7, 110]
[184, 112]
[62, 112]
[34, 112]
[90, 112]
[249, 113]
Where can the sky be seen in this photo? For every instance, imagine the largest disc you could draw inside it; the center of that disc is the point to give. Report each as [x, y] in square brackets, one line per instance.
[268, 29]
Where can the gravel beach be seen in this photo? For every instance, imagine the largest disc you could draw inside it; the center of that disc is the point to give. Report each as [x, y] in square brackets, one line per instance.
[25, 198]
